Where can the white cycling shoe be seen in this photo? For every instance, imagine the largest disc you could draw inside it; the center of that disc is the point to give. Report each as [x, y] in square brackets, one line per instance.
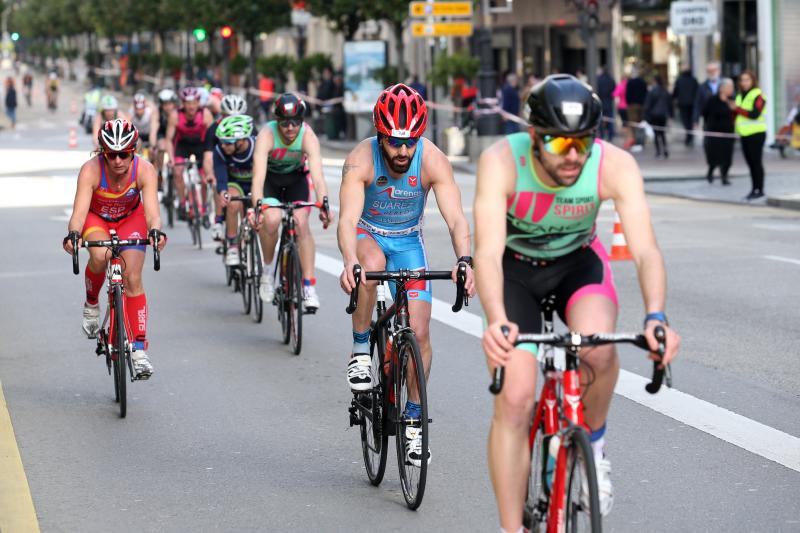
[310, 299]
[359, 372]
[414, 446]
[216, 231]
[142, 368]
[91, 320]
[604, 487]
[266, 289]
[232, 257]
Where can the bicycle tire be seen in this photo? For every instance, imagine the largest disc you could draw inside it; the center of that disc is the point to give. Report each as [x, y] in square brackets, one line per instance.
[295, 307]
[412, 478]
[244, 275]
[197, 221]
[282, 292]
[120, 342]
[169, 199]
[580, 462]
[534, 514]
[374, 430]
[255, 268]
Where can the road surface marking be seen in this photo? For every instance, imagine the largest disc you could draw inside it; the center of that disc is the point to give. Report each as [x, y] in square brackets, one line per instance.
[783, 259]
[735, 429]
[17, 514]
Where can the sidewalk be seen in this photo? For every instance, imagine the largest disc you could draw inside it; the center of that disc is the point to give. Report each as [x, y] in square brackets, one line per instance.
[683, 175]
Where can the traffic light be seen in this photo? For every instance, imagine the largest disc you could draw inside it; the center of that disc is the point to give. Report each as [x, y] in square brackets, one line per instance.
[199, 34]
[15, 36]
[226, 32]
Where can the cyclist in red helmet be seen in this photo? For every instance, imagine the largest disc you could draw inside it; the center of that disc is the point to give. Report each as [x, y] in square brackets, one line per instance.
[385, 182]
[117, 190]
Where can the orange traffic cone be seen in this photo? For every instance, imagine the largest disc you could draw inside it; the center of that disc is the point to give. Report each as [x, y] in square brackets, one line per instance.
[73, 138]
[619, 248]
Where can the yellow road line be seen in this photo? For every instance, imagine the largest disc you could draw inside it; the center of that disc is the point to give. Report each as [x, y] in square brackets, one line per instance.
[17, 514]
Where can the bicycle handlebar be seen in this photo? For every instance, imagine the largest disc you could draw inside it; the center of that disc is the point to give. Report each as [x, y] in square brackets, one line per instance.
[576, 340]
[113, 242]
[404, 274]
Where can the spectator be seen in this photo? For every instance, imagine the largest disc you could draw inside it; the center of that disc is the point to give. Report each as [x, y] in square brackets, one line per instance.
[27, 87]
[605, 90]
[325, 92]
[751, 126]
[525, 112]
[657, 108]
[338, 108]
[685, 94]
[622, 109]
[418, 86]
[718, 118]
[11, 102]
[510, 102]
[266, 87]
[635, 95]
[581, 75]
[706, 90]
[469, 94]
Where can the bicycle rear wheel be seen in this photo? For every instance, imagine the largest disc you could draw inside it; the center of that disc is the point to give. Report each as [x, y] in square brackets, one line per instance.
[254, 255]
[244, 273]
[534, 514]
[582, 505]
[282, 291]
[169, 198]
[295, 302]
[412, 477]
[374, 434]
[120, 350]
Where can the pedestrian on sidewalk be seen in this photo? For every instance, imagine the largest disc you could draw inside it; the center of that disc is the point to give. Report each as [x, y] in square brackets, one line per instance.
[11, 102]
[719, 118]
[622, 109]
[510, 102]
[751, 126]
[27, 87]
[605, 90]
[706, 90]
[636, 94]
[657, 108]
[685, 93]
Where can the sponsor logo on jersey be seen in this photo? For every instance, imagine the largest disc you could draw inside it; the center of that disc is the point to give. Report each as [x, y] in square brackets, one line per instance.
[135, 235]
[413, 294]
[412, 181]
[382, 181]
[400, 194]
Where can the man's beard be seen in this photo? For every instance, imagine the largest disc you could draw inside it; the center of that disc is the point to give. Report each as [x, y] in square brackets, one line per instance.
[399, 169]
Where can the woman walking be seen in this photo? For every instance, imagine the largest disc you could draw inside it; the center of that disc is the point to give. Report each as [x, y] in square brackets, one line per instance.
[718, 118]
[657, 108]
[751, 126]
[11, 102]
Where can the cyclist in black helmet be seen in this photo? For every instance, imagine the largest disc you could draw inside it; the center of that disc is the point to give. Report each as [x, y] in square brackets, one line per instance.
[541, 190]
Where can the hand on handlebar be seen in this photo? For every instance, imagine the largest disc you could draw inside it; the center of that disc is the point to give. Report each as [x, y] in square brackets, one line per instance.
[72, 242]
[156, 234]
[347, 280]
[498, 344]
[325, 213]
[673, 342]
[469, 285]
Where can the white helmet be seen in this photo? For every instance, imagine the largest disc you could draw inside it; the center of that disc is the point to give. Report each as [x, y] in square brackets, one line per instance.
[166, 95]
[118, 136]
[233, 104]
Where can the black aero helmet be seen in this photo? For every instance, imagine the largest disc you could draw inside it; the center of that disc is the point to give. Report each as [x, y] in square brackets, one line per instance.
[289, 106]
[563, 105]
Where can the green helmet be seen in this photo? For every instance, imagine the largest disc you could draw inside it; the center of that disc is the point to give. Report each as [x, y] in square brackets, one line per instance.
[108, 102]
[235, 127]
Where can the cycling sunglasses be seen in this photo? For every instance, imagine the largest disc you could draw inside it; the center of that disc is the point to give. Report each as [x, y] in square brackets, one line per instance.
[289, 122]
[396, 142]
[117, 155]
[562, 145]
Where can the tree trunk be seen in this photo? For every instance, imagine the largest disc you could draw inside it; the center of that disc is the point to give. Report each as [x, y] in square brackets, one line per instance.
[401, 48]
[252, 99]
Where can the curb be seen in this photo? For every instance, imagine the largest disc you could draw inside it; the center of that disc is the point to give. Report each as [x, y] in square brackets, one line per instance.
[788, 201]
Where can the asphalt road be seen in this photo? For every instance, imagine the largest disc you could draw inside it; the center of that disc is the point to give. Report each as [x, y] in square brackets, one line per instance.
[233, 433]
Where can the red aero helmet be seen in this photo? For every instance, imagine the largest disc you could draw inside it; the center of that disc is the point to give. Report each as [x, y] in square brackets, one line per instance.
[400, 112]
[118, 136]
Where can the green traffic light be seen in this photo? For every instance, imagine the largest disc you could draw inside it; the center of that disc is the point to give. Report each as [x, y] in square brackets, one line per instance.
[15, 36]
[199, 34]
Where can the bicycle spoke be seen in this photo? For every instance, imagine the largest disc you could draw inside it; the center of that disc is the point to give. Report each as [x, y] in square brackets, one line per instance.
[412, 476]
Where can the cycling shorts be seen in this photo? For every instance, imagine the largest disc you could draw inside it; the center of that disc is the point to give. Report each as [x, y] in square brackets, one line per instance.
[292, 187]
[568, 279]
[242, 188]
[184, 150]
[407, 251]
[133, 226]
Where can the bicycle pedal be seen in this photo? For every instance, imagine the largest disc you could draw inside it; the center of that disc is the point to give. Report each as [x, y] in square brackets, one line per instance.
[219, 250]
[310, 311]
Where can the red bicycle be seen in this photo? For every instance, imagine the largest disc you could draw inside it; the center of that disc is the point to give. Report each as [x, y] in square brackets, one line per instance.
[114, 340]
[562, 483]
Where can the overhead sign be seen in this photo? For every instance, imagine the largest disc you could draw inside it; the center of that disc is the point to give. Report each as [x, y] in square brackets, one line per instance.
[692, 18]
[441, 29]
[440, 9]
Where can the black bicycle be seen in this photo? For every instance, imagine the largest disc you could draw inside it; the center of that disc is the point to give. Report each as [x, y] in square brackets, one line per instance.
[197, 208]
[114, 337]
[289, 274]
[397, 371]
[247, 276]
[168, 194]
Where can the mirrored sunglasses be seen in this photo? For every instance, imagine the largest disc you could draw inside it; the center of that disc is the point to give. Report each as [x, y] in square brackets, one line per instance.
[396, 142]
[562, 145]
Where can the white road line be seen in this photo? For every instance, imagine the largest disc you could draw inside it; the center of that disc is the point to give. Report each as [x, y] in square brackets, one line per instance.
[783, 259]
[778, 227]
[735, 429]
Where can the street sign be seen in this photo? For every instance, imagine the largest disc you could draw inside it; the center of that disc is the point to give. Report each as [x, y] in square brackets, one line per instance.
[692, 18]
[440, 9]
[441, 29]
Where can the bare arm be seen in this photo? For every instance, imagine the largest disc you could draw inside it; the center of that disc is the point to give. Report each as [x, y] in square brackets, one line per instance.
[153, 127]
[439, 171]
[87, 179]
[172, 123]
[148, 183]
[264, 144]
[496, 177]
[356, 174]
[208, 118]
[314, 155]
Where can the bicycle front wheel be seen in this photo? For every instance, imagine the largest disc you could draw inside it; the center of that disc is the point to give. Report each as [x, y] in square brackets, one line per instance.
[582, 505]
[169, 198]
[295, 302]
[412, 432]
[121, 351]
[255, 268]
[374, 434]
[534, 514]
[244, 274]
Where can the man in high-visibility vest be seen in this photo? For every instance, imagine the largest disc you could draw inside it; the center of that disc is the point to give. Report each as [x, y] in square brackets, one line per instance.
[751, 126]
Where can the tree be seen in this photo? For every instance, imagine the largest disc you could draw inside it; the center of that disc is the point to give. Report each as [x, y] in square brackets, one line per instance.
[344, 15]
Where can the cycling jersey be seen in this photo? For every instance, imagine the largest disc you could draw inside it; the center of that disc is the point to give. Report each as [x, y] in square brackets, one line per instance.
[113, 206]
[189, 136]
[392, 217]
[548, 222]
[163, 119]
[236, 170]
[142, 123]
[286, 158]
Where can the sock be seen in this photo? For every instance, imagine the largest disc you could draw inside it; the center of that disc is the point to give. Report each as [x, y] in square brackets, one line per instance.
[136, 308]
[219, 219]
[309, 282]
[598, 440]
[94, 282]
[361, 341]
[520, 530]
[412, 410]
[231, 240]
